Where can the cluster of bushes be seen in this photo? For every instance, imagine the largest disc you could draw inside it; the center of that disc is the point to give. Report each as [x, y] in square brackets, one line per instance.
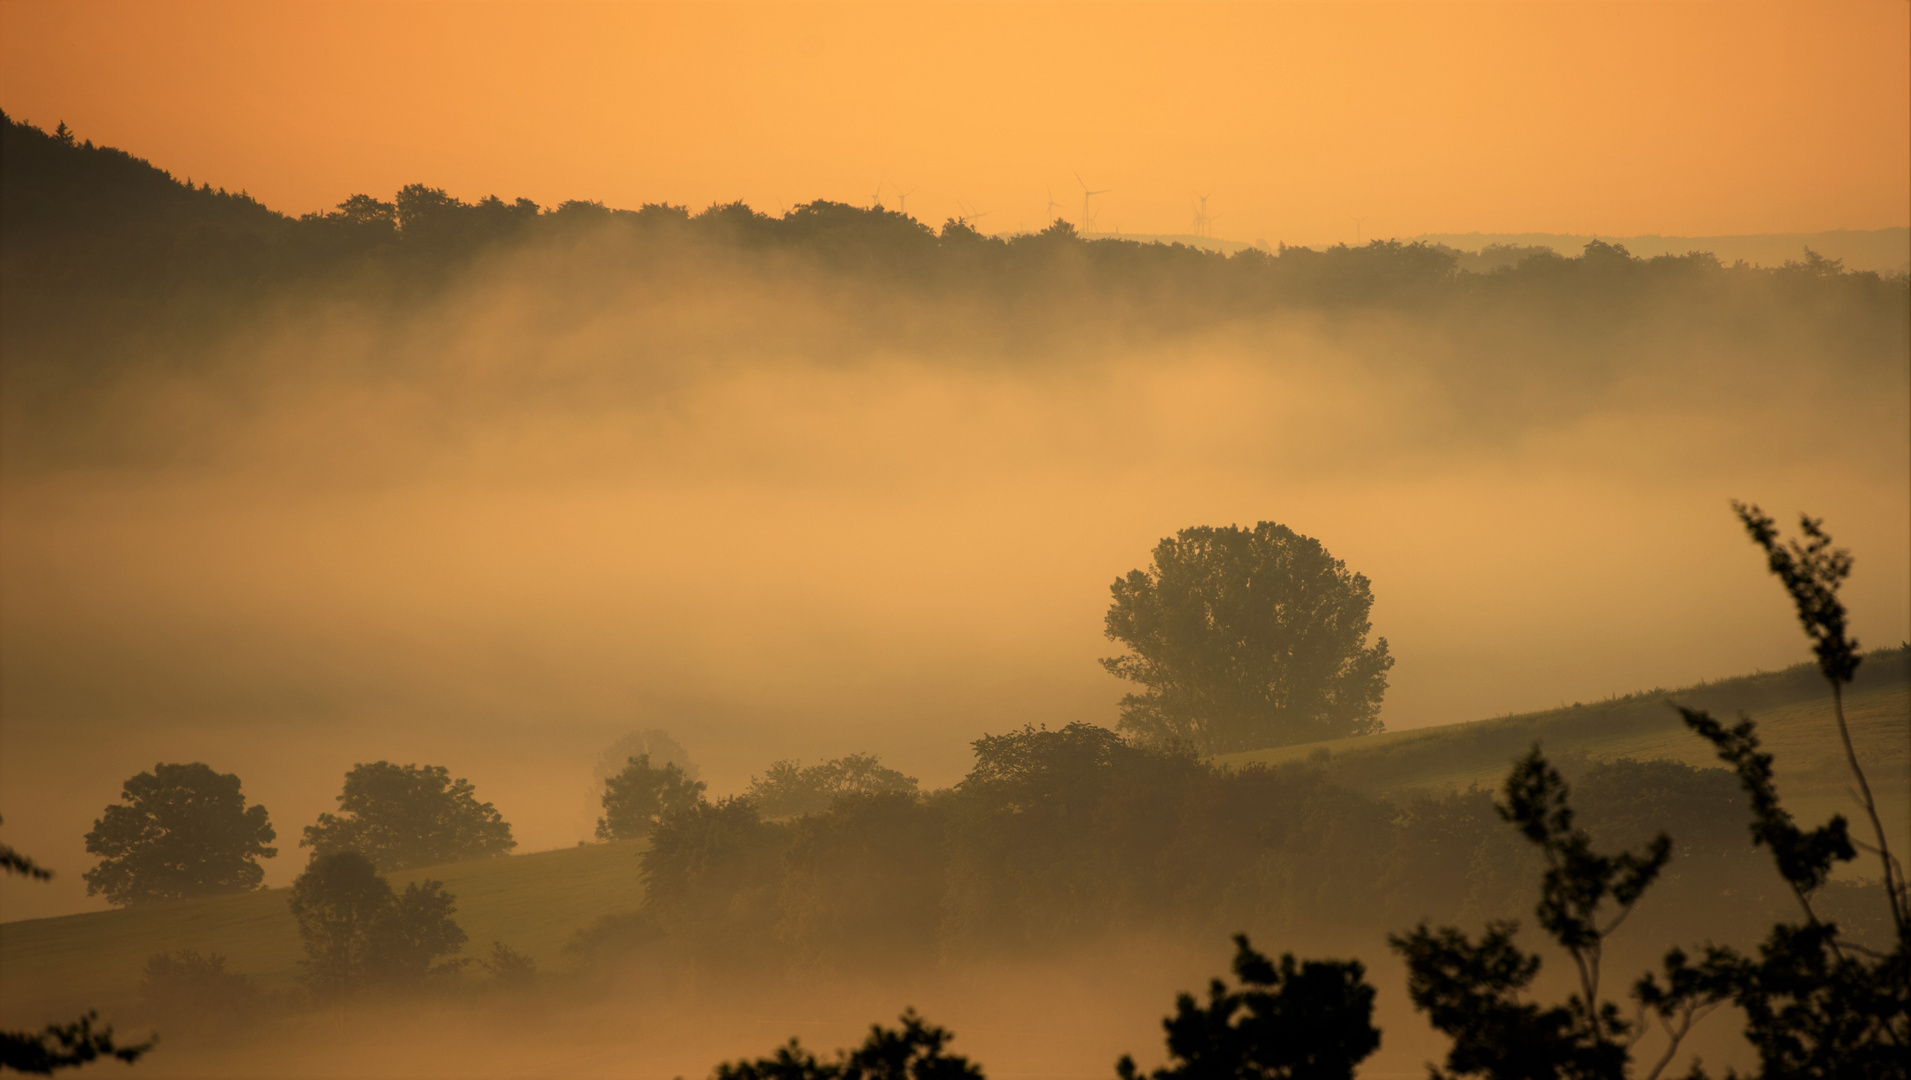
[1057, 837]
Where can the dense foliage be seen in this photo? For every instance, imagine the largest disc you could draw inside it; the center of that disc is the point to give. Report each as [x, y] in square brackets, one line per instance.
[401, 816]
[788, 788]
[183, 831]
[1311, 1020]
[1056, 838]
[1243, 639]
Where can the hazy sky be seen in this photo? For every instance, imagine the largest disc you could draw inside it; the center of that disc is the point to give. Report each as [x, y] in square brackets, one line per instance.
[1671, 118]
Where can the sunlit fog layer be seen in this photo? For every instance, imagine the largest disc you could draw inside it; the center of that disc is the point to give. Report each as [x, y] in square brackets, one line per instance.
[779, 517]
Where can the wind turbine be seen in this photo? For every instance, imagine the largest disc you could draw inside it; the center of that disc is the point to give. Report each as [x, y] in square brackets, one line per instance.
[876, 200]
[970, 215]
[1201, 218]
[1357, 222]
[902, 198]
[1087, 195]
[1049, 217]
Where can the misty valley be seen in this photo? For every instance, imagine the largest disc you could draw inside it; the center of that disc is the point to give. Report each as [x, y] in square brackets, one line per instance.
[488, 639]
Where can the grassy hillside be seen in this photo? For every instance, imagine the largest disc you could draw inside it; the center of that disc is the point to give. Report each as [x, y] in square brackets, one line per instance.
[533, 903]
[1792, 707]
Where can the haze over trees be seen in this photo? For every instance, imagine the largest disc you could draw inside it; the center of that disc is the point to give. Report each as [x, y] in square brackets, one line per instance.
[1057, 841]
[637, 797]
[401, 816]
[113, 260]
[179, 831]
[789, 788]
[360, 935]
[1244, 639]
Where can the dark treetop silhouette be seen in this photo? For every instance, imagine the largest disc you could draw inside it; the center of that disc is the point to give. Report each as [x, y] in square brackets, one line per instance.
[400, 816]
[183, 831]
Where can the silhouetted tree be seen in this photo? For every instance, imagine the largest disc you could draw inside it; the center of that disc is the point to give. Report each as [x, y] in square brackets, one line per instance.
[636, 798]
[400, 816]
[913, 1051]
[1245, 639]
[1311, 1020]
[359, 934]
[184, 831]
[59, 1046]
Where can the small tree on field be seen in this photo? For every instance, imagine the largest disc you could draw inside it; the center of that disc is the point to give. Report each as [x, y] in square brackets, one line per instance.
[401, 816]
[1243, 639]
[359, 934]
[183, 831]
[636, 798]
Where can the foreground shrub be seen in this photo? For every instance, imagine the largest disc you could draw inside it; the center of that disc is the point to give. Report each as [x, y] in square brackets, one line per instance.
[190, 991]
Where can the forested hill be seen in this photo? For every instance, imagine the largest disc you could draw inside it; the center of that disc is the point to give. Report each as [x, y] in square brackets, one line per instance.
[59, 188]
[59, 191]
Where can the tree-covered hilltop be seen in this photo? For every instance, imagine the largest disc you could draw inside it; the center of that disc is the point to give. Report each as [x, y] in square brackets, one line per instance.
[86, 221]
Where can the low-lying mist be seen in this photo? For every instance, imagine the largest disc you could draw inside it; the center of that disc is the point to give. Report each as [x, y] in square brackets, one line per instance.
[780, 512]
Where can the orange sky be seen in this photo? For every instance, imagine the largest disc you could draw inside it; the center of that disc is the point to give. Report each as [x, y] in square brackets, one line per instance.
[1675, 118]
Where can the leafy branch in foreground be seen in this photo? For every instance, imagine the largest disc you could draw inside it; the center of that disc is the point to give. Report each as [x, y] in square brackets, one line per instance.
[1475, 991]
[910, 1052]
[1812, 572]
[65, 1046]
[14, 862]
[60, 1046]
[1816, 1003]
[1311, 1020]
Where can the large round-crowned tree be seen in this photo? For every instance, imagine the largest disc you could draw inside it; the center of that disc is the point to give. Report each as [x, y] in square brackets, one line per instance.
[401, 816]
[178, 831]
[1244, 639]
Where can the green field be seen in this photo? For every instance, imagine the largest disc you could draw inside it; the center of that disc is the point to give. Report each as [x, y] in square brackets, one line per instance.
[55, 967]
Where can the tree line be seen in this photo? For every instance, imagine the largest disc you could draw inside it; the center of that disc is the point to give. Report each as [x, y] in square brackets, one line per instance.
[86, 224]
